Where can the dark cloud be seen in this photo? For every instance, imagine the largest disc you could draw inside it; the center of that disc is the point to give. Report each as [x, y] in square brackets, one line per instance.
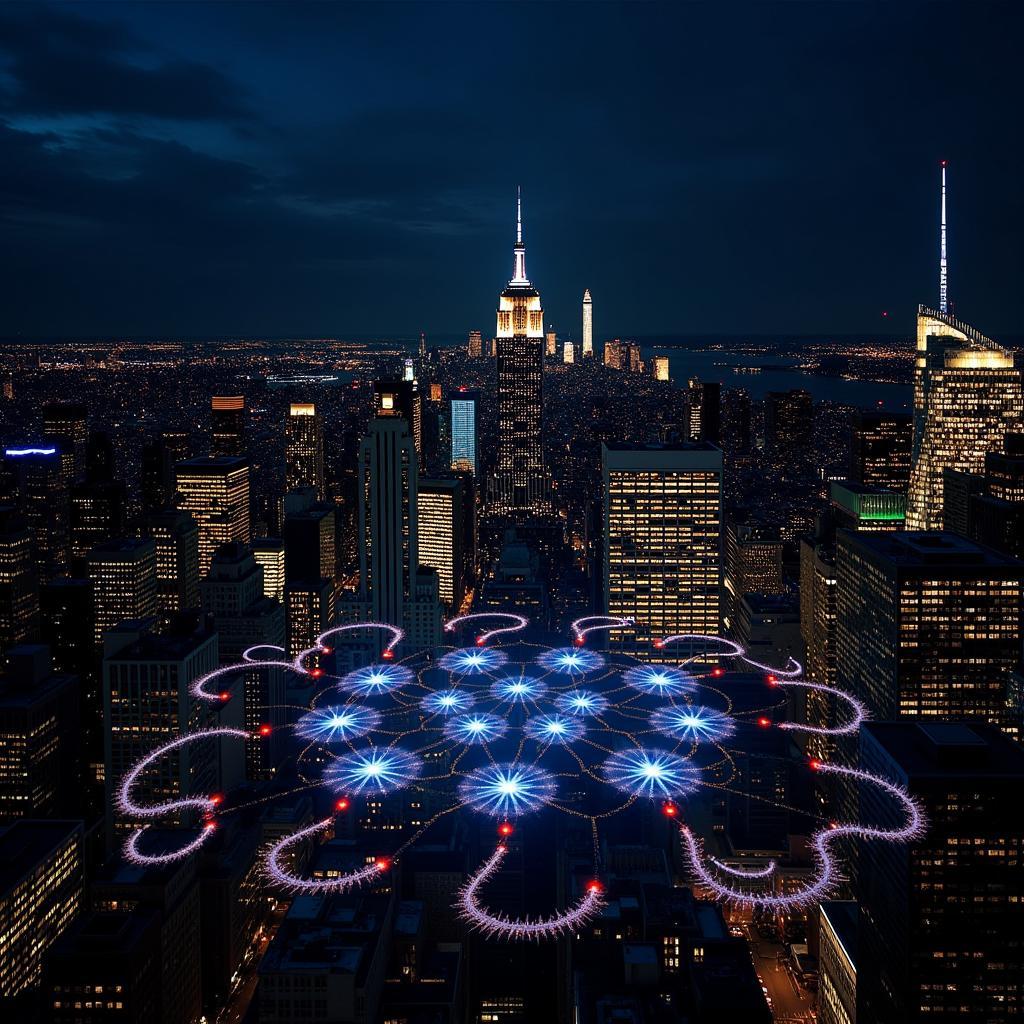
[58, 63]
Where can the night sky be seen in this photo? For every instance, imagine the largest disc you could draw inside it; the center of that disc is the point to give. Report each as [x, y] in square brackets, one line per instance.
[320, 170]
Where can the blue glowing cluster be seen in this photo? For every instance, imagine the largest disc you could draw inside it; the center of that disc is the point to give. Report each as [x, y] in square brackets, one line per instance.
[651, 773]
[507, 790]
[581, 702]
[698, 724]
[659, 680]
[375, 771]
[473, 661]
[374, 680]
[554, 728]
[571, 660]
[447, 702]
[519, 689]
[477, 727]
[337, 723]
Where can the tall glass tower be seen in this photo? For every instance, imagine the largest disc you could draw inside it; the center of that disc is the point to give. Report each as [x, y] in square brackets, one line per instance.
[520, 483]
[588, 324]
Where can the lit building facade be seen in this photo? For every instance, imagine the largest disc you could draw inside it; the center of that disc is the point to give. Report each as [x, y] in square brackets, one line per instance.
[122, 574]
[227, 432]
[568, 352]
[465, 433]
[176, 536]
[837, 962]
[968, 395]
[270, 556]
[215, 492]
[882, 444]
[68, 425]
[520, 479]
[304, 454]
[388, 546]
[928, 625]
[41, 886]
[475, 345]
[19, 592]
[440, 507]
[588, 324]
[941, 916]
[663, 536]
[705, 408]
[41, 474]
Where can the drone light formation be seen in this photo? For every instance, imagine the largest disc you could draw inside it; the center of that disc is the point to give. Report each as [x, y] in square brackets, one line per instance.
[697, 723]
[475, 728]
[487, 690]
[554, 728]
[337, 723]
[375, 771]
[472, 661]
[507, 790]
[655, 774]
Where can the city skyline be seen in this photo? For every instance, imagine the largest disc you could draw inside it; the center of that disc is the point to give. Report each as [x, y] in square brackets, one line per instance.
[735, 190]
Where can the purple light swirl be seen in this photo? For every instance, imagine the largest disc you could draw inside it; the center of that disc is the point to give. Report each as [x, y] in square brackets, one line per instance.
[134, 855]
[733, 649]
[828, 875]
[765, 872]
[397, 635]
[599, 622]
[860, 712]
[499, 925]
[789, 673]
[247, 653]
[278, 873]
[203, 804]
[198, 687]
[519, 622]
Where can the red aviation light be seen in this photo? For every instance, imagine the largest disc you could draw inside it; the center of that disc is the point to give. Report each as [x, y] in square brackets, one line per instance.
[669, 809]
[764, 722]
[718, 671]
[224, 695]
[342, 804]
[505, 829]
[265, 730]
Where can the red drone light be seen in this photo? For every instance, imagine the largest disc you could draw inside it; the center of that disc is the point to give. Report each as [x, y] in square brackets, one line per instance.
[224, 695]
[764, 722]
[480, 641]
[209, 825]
[669, 810]
[815, 764]
[833, 824]
[216, 799]
[342, 804]
[578, 641]
[325, 650]
[316, 673]
[659, 643]
[389, 654]
[505, 829]
[383, 864]
[772, 680]
[718, 671]
[265, 730]
[594, 886]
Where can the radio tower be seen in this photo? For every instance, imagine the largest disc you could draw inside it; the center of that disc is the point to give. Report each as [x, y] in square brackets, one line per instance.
[943, 273]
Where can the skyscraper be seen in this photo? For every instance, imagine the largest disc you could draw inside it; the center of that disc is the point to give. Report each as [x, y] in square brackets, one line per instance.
[663, 536]
[753, 564]
[882, 444]
[968, 395]
[19, 591]
[588, 324]
[568, 352]
[927, 624]
[215, 492]
[42, 500]
[122, 574]
[464, 408]
[439, 511]
[788, 422]
[941, 916]
[227, 433]
[69, 425]
[98, 503]
[176, 536]
[705, 406]
[402, 398]
[475, 345]
[520, 480]
[388, 546]
[304, 455]
[269, 555]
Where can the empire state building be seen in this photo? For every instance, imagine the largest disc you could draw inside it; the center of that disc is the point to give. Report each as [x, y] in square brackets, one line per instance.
[520, 482]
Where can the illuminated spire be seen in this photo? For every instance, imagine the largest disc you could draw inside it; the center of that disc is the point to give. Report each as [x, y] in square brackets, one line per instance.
[519, 267]
[943, 271]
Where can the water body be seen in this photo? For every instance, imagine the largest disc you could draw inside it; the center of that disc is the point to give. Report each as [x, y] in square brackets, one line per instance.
[774, 374]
